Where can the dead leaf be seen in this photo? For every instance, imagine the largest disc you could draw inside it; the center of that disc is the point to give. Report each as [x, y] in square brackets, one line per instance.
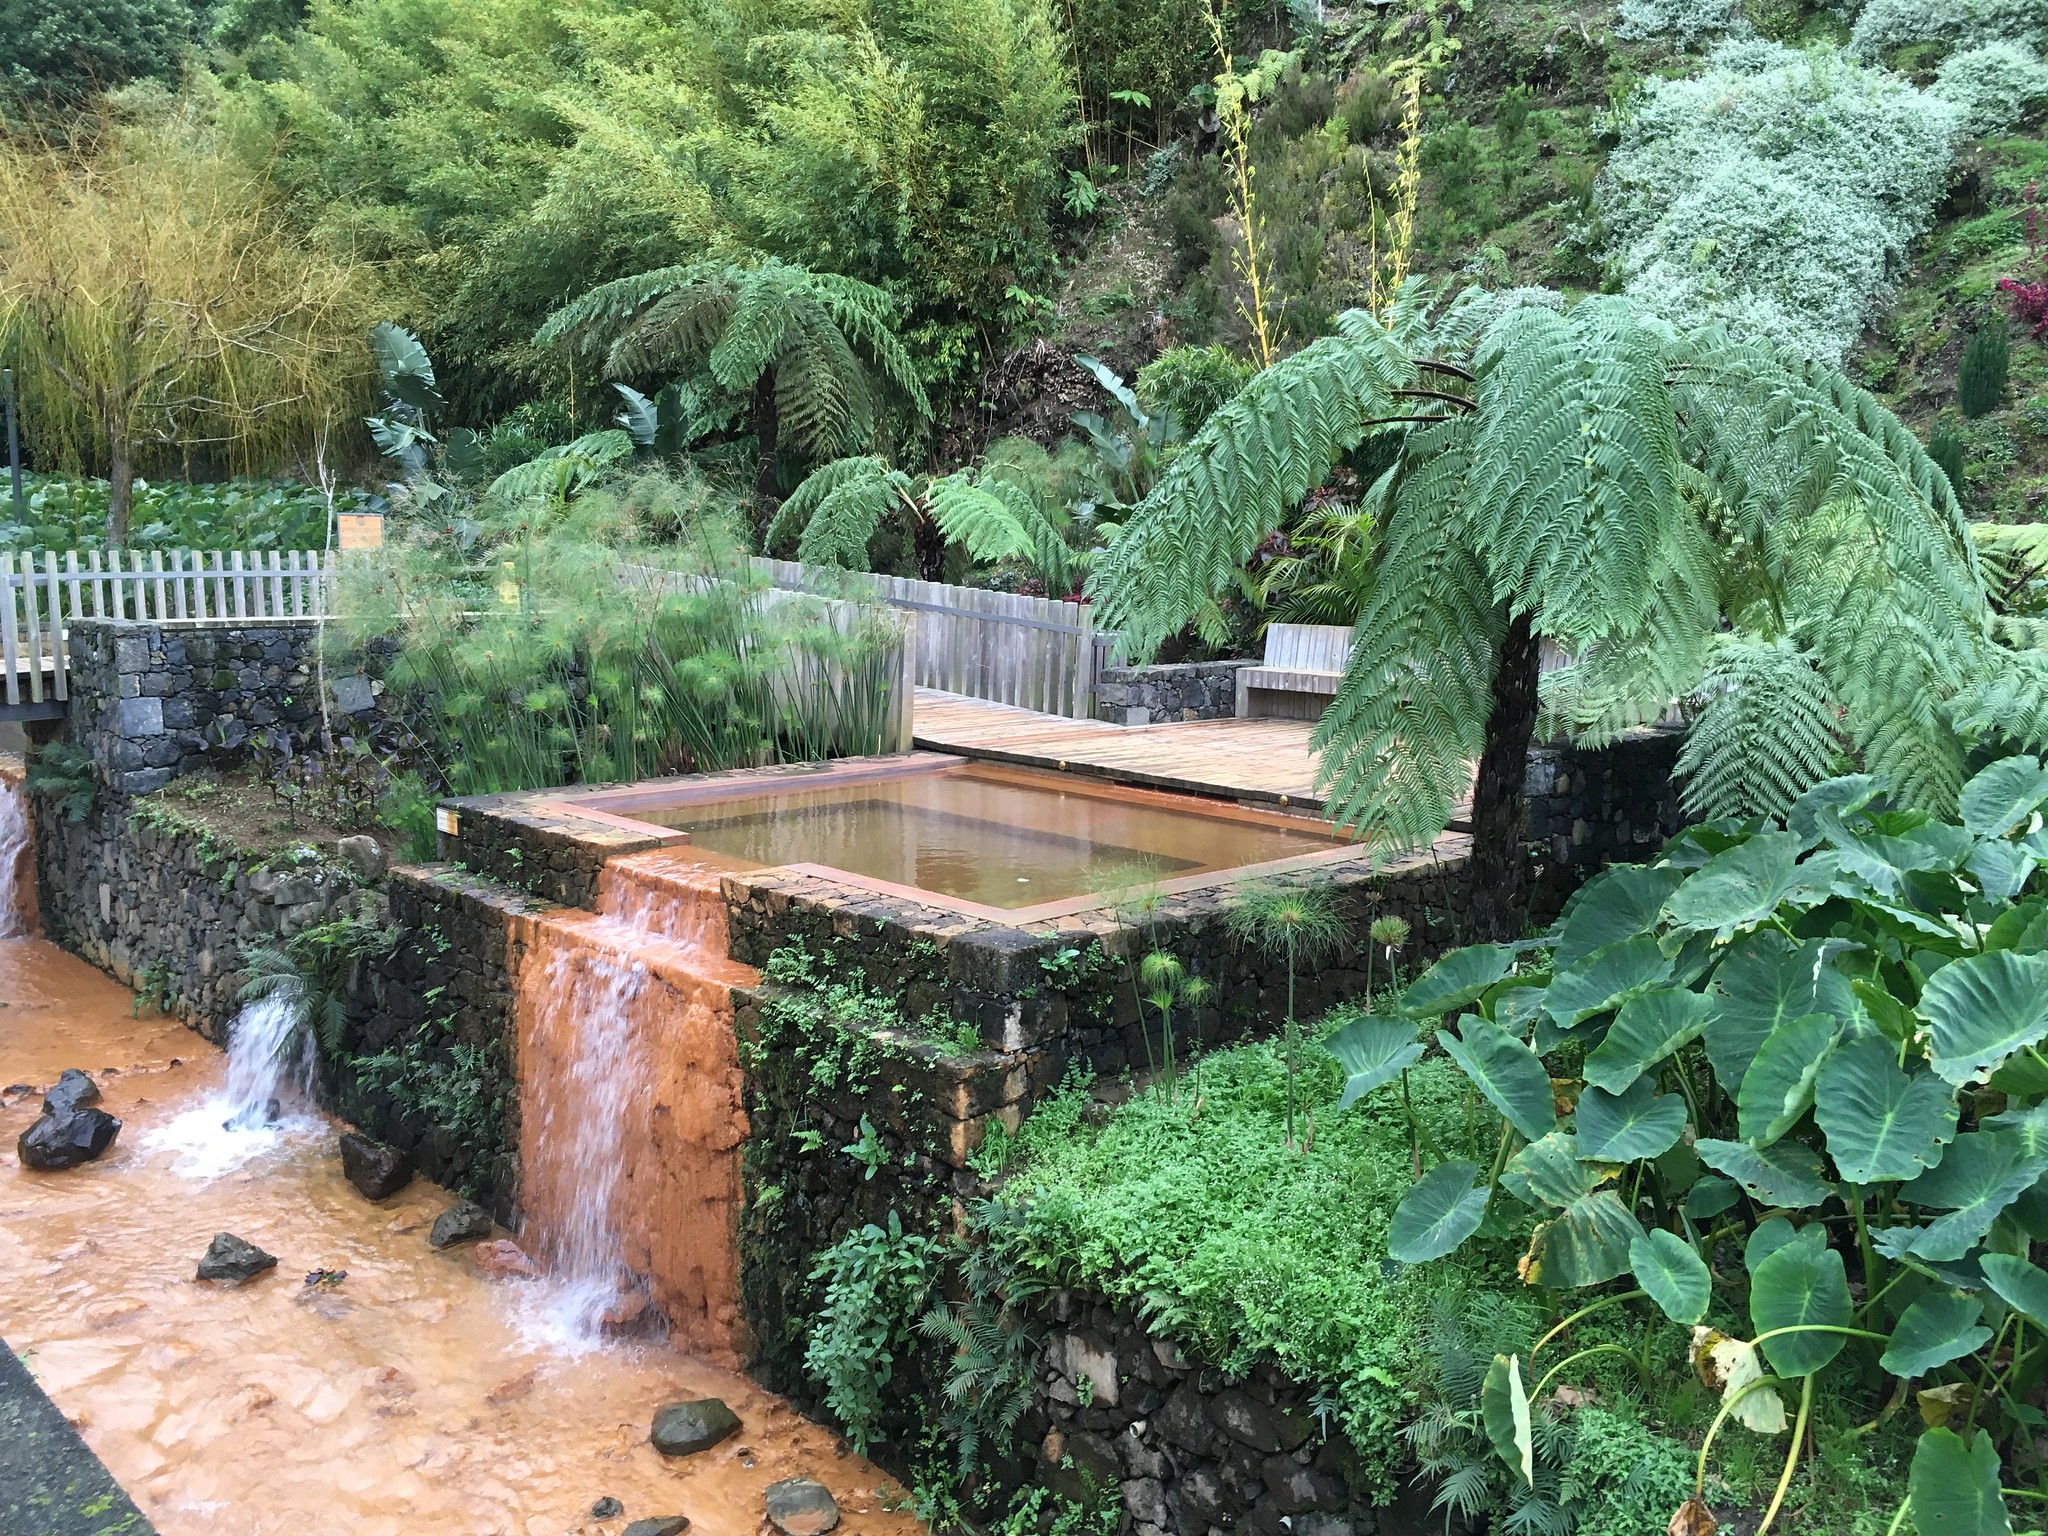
[1735, 1361]
[1693, 1519]
[1938, 1404]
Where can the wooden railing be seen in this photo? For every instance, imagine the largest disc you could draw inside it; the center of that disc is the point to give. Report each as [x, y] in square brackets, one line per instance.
[1035, 652]
[42, 593]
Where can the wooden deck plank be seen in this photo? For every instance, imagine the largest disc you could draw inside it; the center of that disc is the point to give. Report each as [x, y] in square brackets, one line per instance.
[1267, 761]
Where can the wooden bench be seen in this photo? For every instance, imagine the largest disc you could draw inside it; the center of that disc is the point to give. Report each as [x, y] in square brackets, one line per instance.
[1299, 675]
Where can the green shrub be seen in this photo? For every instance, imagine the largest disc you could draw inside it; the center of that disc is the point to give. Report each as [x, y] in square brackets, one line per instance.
[66, 513]
[1189, 383]
[876, 1283]
[1888, 24]
[1946, 449]
[1686, 20]
[1980, 379]
[66, 46]
[1994, 86]
[1776, 190]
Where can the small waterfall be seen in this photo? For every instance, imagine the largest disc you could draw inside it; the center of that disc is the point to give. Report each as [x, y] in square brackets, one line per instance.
[265, 1102]
[15, 854]
[630, 1108]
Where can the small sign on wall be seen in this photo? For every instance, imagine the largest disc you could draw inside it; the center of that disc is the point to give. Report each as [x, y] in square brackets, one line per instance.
[361, 530]
[446, 820]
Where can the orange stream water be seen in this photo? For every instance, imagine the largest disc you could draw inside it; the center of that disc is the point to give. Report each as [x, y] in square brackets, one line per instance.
[407, 1399]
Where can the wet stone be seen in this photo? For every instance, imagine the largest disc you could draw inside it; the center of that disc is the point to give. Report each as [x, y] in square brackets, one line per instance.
[464, 1223]
[229, 1258]
[659, 1525]
[74, 1090]
[502, 1257]
[797, 1506]
[607, 1508]
[375, 1169]
[683, 1429]
[66, 1138]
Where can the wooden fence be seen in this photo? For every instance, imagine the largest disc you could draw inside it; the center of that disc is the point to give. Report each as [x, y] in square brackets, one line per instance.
[1034, 652]
[41, 593]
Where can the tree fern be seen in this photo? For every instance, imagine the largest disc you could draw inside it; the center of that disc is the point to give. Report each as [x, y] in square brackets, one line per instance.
[810, 353]
[1763, 730]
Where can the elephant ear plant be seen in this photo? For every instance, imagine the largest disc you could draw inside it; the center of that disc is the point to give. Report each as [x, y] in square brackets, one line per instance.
[1788, 1085]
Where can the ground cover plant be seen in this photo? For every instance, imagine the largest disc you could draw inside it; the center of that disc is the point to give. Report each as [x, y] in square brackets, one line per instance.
[65, 513]
[1800, 1064]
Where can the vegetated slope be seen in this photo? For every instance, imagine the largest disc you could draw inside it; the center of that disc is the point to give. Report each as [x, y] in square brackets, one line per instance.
[1514, 161]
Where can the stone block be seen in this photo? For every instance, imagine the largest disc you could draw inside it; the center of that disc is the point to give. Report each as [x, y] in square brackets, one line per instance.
[139, 717]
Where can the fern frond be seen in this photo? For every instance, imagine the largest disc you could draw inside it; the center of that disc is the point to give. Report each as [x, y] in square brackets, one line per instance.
[1253, 461]
[1398, 742]
[607, 306]
[995, 519]
[2006, 703]
[1763, 730]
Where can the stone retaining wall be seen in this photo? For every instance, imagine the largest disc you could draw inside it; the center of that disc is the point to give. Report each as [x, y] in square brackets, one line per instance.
[148, 698]
[165, 907]
[1189, 690]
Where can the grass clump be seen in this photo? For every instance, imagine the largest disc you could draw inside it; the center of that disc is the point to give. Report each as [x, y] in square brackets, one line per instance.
[1196, 1212]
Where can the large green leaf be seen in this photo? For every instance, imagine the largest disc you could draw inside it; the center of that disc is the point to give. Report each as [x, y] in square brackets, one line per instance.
[1738, 888]
[1981, 1009]
[2000, 868]
[1507, 1072]
[1676, 1277]
[2019, 1285]
[1456, 981]
[1443, 1209]
[1620, 903]
[1880, 1123]
[1941, 1326]
[1551, 1172]
[1710, 1196]
[2027, 1128]
[1372, 1052]
[1647, 1030]
[1886, 863]
[1607, 978]
[1981, 1174]
[1778, 1087]
[1504, 1406]
[1769, 1236]
[1767, 981]
[1637, 1122]
[2022, 926]
[1799, 1286]
[2003, 795]
[1588, 1243]
[1954, 1486]
[1841, 796]
[1784, 1174]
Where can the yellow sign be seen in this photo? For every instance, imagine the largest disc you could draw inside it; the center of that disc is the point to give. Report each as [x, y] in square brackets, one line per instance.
[361, 530]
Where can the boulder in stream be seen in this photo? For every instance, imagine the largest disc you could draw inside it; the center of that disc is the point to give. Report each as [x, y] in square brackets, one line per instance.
[229, 1258]
[65, 1138]
[501, 1257]
[74, 1090]
[658, 1525]
[463, 1223]
[607, 1508]
[797, 1506]
[375, 1169]
[683, 1429]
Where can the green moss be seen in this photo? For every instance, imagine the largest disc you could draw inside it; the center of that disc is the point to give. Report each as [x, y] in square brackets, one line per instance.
[1240, 1249]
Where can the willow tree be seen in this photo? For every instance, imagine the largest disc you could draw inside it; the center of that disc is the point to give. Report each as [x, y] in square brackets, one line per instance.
[812, 355]
[1658, 505]
[157, 309]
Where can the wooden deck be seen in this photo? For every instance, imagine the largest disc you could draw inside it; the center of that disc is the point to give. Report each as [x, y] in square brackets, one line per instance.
[1266, 761]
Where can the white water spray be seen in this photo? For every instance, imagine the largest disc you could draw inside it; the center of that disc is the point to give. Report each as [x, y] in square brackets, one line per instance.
[585, 1113]
[14, 852]
[265, 1103]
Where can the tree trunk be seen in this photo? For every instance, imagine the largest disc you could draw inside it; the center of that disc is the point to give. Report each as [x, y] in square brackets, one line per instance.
[1500, 801]
[928, 543]
[120, 482]
[767, 428]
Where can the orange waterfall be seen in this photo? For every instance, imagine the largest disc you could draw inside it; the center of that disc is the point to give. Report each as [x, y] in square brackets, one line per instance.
[631, 1117]
[17, 855]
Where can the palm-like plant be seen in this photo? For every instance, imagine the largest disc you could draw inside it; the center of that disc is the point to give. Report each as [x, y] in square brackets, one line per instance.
[1591, 476]
[812, 354]
[992, 513]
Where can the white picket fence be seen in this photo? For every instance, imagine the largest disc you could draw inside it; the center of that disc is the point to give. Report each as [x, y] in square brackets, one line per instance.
[42, 593]
[1035, 652]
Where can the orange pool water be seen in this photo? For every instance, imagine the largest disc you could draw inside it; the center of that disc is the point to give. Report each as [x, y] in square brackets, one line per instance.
[407, 1399]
